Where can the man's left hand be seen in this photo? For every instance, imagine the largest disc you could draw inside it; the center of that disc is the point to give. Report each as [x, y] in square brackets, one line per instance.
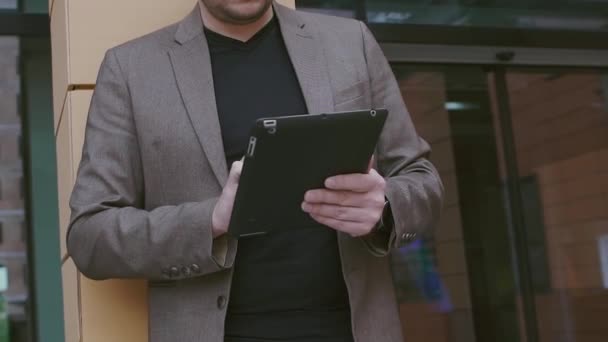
[352, 204]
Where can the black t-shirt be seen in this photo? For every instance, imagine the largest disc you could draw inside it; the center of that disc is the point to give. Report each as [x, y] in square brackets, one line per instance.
[287, 285]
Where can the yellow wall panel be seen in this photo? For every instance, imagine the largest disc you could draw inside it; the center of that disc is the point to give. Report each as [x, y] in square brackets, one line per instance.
[80, 101]
[96, 26]
[64, 175]
[69, 141]
[61, 58]
[114, 310]
[90, 33]
[71, 310]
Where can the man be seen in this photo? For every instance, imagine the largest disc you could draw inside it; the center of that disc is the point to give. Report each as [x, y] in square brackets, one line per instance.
[153, 195]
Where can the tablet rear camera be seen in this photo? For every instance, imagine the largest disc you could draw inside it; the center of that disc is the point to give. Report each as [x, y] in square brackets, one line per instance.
[373, 113]
[271, 126]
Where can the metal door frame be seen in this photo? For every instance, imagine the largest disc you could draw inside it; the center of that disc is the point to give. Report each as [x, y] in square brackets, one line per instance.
[499, 56]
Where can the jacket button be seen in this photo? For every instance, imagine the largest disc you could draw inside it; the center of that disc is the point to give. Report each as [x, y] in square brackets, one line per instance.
[195, 268]
[174, 272]
[221, 302]
[409, 237]
[186, 271]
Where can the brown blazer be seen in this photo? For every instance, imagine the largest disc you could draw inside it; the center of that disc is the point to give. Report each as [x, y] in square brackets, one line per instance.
[153, 166]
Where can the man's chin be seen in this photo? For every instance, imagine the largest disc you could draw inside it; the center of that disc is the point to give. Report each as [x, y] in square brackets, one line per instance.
[246, 13]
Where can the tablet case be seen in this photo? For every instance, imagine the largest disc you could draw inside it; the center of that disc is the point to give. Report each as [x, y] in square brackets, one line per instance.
[290, 155]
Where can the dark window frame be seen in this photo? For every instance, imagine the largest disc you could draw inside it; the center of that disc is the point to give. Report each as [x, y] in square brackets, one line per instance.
[44, 317]
[489, 36]
[24, 24]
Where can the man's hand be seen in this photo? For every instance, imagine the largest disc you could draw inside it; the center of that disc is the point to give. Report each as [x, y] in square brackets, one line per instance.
[351, 204]
[223, 209]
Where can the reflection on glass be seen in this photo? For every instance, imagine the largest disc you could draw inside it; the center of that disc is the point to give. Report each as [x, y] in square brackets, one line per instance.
[340, 8]
[8, 4]
[560, 121]
[459, 285]
[603, 248]
[13, 266]
[431, 293]
[540, 14]
[591, 15]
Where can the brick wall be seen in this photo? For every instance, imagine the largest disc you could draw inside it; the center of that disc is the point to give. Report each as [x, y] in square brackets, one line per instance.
[12, 245]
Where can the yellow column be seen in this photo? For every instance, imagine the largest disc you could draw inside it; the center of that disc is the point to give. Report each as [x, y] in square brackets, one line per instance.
[82, 30]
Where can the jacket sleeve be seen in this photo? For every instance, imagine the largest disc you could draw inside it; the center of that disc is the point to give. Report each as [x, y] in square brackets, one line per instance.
[414, 189]
[110, 235]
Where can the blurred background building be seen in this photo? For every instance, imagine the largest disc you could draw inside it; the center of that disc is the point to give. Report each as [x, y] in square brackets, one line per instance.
[512, 96]
[31, 304]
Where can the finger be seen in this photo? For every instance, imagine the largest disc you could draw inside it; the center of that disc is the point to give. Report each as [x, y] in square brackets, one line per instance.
[356, 182]
[338, 212]
[235, 173]
[344, 198]
[352, 228]
[373, 172]
[372, 160]
[236, 169]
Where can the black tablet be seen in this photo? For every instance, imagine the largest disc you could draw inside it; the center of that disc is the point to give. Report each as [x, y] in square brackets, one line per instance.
[290, 155]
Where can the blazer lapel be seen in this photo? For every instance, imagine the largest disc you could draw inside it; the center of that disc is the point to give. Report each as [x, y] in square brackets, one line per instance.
[308, 60]
[191, 63]
[192, 66]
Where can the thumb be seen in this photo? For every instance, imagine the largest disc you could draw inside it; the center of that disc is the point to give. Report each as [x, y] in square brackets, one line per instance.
[372, 161]
[235, 172]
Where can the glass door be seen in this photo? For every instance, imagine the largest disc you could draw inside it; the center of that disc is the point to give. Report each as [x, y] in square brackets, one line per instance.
[520, 253]
[560, 141]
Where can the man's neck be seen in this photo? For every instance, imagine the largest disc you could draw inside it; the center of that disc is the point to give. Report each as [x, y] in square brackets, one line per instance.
[235, 31]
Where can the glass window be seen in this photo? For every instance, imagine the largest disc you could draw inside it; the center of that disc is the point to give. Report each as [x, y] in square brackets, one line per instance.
[13, 260]
[8, 4]
[588, 15]
[560, 128]
[467, 283]
[340, 8]
[536, 14]
[459, 285]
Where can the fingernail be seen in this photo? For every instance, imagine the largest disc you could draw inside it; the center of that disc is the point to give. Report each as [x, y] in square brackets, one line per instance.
[330, 182]
[305, 206]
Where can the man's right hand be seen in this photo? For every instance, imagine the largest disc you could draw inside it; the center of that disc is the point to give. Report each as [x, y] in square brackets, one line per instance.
[223, 209]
